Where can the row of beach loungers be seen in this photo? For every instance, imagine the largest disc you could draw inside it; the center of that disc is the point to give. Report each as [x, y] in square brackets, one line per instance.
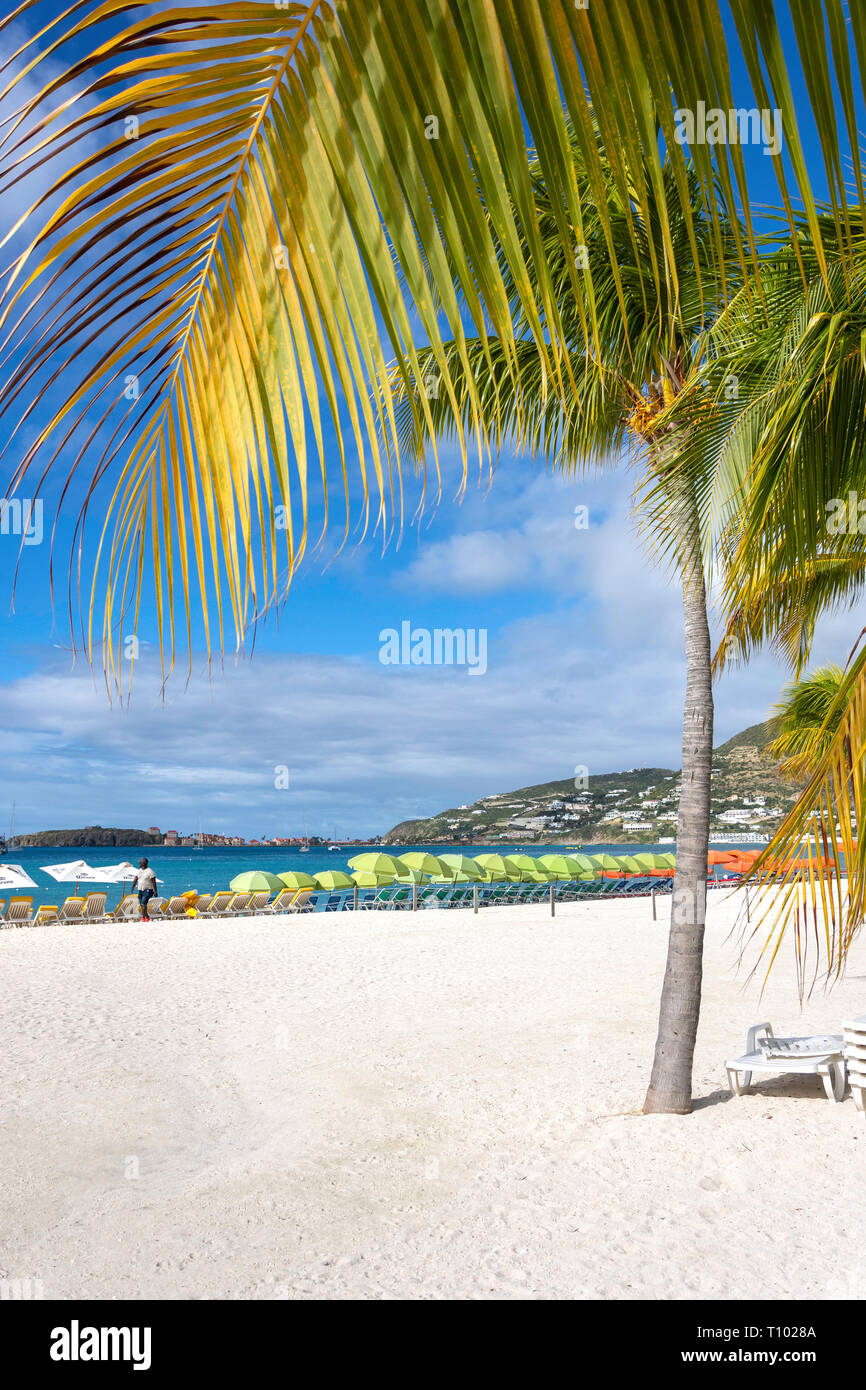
[20, 912]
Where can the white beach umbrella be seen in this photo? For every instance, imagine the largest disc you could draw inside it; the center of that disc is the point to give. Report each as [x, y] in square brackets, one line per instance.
[13, 876]
[118, 873]
[96, 875]
[68, 873]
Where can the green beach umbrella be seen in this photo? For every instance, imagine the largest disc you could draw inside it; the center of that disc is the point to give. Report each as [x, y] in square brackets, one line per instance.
[333, 879]
[420, 859]
[365, 879]
[256, 881]
[457, 877]
[646, 861]
[375, 863]
[499, 866]
[563, 865]
[380, 877]
[603, 861]
[411, 875]
[665, 861]
[526, 861]
[462, 864]
[295, 878]
[568, 865]
[533, 868]
[629, 863]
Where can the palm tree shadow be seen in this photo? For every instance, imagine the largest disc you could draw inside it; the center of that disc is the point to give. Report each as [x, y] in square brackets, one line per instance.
[714, 1098]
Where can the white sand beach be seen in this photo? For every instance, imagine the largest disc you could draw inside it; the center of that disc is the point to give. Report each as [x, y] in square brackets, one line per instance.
[397, 1105]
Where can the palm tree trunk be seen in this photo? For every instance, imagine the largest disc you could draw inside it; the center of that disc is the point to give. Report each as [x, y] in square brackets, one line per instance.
[670, 1089]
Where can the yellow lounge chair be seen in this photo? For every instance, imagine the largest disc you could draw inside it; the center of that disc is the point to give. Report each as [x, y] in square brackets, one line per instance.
[301, 901]
[18, 913]
[176, 906]
[70, 911]
[44, 915]
[259, 902]
[126, 911]
[281, 902]
[218, 904]
[94, 907]
[156, 908]
[239, 905]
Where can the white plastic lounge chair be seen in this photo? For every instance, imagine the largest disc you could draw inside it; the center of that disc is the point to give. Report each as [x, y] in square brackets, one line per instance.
[218, 904]
[44, 914]
[94, 907]
[854, 1034]
[18, 913]
[175, 907]
[289, 900]
[389, 896]
[280, 904]
[828, 1063]
[239, 905]
[259, 902]
[302, 901]
[435, 896]
[462, 896]
[156, 908]
[127, 909]
[70, 911]
[202, 903]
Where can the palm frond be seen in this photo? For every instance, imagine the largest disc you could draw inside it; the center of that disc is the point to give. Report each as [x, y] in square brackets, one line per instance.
[805, 719]
[820, 896]
[261, 206]
[782, 607]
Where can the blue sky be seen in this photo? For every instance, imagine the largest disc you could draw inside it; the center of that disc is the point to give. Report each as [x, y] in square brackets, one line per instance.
[584, 667]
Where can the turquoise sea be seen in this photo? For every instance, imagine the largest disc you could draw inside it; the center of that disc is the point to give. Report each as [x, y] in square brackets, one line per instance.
[209, 869]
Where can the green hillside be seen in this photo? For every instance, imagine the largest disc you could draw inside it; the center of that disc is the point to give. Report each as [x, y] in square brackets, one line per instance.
[633, 805]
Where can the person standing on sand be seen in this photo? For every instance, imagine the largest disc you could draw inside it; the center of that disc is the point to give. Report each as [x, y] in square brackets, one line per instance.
[145, 881]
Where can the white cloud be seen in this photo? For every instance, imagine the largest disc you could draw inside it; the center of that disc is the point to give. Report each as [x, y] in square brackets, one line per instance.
[367, 745]
[596, 680]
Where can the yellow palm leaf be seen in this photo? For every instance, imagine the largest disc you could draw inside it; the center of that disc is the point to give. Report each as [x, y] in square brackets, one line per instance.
[259, 207]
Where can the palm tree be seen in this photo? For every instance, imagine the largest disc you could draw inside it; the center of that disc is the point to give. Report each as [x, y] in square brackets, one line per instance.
[646, 347]
[252, 208]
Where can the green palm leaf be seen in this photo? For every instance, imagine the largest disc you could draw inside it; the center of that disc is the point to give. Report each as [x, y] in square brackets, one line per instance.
[311, 186]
